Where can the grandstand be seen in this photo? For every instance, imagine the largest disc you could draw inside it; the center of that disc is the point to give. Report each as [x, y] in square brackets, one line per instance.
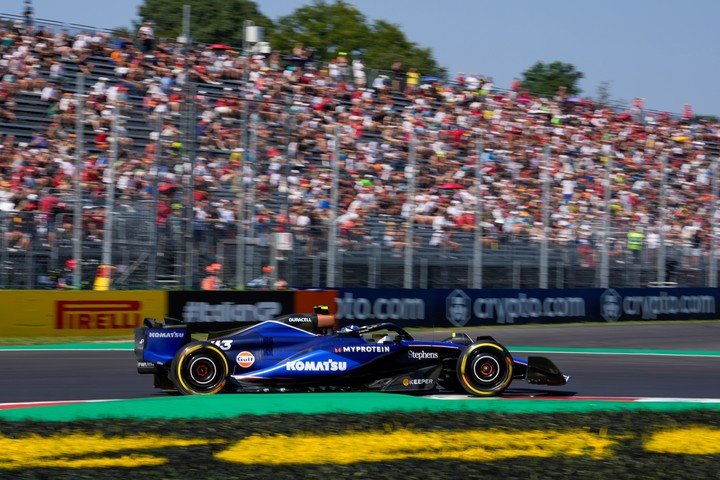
[286, 125]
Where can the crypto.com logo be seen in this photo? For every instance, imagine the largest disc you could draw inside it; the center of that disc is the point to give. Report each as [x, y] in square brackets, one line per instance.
[457, 308]
[610, 305]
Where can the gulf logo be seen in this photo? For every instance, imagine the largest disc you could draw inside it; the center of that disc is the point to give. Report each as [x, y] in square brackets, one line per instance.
[245, 359]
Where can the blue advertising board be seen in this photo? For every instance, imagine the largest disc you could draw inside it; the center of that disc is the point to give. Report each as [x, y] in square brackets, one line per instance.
[468, 307]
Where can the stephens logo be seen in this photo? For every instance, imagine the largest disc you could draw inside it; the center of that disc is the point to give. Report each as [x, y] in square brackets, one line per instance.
[321, 366]
[245, 359]
[422, 355]
[97, 314]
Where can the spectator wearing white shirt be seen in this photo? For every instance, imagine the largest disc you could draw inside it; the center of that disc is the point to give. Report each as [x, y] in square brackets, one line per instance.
[146, 35]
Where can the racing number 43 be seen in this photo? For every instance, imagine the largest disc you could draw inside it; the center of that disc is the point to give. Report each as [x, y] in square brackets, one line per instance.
[222, 344]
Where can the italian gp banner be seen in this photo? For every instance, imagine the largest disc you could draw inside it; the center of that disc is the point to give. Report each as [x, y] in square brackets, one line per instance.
[33, 313]
[468, 307]
[228, 308]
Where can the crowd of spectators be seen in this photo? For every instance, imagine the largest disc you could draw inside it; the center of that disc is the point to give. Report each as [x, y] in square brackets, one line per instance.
[301, 112]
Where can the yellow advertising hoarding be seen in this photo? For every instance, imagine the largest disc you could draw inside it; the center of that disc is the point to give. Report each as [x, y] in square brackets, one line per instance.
[53, 313]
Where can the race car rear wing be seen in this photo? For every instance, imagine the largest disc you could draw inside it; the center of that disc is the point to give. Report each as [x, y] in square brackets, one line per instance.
[156, 343]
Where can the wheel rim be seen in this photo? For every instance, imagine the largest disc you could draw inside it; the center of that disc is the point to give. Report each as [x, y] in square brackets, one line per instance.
[486, 368]
[202, 370]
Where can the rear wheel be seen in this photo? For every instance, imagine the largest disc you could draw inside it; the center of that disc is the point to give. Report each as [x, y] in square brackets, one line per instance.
[485, 369]
[199, 369]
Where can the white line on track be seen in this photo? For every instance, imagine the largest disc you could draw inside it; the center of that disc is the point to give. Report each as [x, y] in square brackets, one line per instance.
[627, 354]
[6, 406]
[573, 398]
[680, 400]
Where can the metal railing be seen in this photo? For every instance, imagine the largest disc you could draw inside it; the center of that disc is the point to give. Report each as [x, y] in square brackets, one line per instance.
[36, 251]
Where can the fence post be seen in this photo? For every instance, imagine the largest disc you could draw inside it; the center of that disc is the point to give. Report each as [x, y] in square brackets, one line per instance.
[109, 177]
[477, 266]
[152, 266]
[409, 233]
[189, 207]
[663, 206]
[330, 273]
[29, 268]
[188, 121]
[713, 277]
[242, 234]
[273, 260]
[545, 178]
[77, 174]
[250, 164]
[3, 249]
[605, 251]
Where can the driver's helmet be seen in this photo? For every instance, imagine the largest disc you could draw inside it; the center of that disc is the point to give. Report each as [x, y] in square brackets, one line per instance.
[322, 309]
[349, 328]
[386, 339]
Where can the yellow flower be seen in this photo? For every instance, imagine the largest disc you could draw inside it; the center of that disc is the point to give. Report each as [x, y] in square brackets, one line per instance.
[685, 441]
[85, 450]
[472, 446]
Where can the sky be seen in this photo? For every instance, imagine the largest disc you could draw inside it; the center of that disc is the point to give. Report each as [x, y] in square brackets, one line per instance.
[663, 51]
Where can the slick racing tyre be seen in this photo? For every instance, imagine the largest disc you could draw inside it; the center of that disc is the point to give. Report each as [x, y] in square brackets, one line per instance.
[485, 369]
[199, 369]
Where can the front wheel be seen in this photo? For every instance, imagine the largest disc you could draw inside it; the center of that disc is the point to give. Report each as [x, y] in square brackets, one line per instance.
[199, 369]
[485, 369]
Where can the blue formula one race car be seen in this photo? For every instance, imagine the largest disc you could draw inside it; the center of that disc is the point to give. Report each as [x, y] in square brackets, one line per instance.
[307, 352]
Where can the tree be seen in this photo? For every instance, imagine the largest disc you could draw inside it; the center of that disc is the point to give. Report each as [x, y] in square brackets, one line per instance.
[545, 79]
[387, 44]
[330, 28]
[211, 20]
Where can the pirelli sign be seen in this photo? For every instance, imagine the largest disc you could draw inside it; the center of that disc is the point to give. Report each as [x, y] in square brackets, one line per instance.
[59, 313]
[98, 314]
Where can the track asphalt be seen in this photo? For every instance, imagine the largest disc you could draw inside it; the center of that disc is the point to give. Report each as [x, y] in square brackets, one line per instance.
[677, 360]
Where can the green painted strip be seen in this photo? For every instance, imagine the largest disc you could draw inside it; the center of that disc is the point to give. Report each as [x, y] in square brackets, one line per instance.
[234, 405]
[71, 346]
[617, 351]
